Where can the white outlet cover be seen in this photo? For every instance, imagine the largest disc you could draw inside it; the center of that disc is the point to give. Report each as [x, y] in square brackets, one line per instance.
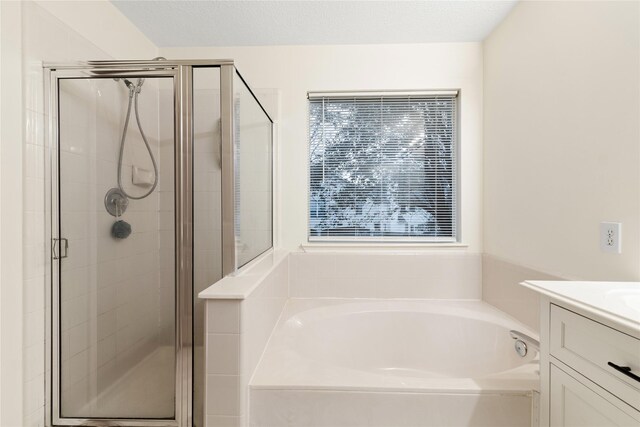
[611, 237]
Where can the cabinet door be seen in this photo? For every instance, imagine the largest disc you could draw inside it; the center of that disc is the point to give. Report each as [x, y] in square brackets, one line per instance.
[574, 404]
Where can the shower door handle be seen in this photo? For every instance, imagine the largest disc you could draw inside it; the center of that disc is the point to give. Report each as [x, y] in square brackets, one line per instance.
[63, 245]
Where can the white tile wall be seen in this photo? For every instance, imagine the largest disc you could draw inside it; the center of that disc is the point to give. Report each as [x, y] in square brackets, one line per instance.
[500, 288]
[224, 421]
[223, 317]
[45, 38]
[237, 333]
[375, 275]
[238, 330]
[166, 217]
[259, 315]
[316, 408]
[222, 388]
[223, 357]
[207, 240]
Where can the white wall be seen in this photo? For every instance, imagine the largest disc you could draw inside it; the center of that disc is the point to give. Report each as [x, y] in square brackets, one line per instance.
[10, 215]
[294, 70]
[102, 25]
[561, 137]
[55, 32]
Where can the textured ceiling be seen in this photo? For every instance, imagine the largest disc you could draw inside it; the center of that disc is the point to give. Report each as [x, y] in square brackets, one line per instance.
[180, 23]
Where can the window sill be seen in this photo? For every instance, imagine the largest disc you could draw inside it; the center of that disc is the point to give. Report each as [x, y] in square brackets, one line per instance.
[380, 247]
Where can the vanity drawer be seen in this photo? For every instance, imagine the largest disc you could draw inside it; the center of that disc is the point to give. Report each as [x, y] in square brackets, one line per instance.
[589, 347]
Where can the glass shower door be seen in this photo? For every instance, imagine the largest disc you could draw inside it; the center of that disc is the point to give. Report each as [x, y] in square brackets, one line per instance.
[115, 249]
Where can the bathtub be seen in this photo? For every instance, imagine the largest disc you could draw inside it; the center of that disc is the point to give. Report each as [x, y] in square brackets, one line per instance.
[393, 363]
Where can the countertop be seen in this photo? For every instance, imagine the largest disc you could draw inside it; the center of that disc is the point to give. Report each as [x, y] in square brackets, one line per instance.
[618, 302]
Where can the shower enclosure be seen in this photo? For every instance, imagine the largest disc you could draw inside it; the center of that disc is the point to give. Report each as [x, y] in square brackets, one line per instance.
[159, 183]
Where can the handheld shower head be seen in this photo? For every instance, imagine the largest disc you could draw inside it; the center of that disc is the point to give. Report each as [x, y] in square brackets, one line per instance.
[126, 82]
[133, 88]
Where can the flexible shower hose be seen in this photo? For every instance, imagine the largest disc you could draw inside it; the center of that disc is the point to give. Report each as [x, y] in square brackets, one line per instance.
[133, 99]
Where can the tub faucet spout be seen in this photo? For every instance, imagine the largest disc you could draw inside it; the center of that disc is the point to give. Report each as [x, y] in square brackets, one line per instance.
[523, 341]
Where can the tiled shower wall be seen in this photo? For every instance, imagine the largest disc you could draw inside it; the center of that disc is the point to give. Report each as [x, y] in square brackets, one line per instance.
[45, 38]
[207, 233]
[166, 214]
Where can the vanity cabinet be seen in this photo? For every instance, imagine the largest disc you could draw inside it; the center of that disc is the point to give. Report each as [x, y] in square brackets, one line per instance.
[586, 384]
[575, 402]
[589, 361]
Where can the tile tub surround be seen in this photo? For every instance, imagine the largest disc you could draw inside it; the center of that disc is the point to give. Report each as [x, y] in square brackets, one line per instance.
[426, 275]
[500, 288]
[321, 408]
[241, 312]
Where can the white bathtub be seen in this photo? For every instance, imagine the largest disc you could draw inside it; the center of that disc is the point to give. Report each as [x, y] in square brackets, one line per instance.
[393, 363]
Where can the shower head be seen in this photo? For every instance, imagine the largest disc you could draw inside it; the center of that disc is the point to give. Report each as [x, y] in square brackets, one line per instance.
[133, 88]
[138, 86]
[140, 82]
[127, 82]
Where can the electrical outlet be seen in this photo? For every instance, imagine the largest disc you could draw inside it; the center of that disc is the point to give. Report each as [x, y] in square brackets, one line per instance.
[611, 237]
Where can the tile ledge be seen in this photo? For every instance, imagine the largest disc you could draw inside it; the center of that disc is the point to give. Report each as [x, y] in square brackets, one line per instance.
[247, 279]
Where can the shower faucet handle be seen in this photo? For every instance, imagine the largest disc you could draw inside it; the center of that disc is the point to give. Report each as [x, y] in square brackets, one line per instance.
[115, 202]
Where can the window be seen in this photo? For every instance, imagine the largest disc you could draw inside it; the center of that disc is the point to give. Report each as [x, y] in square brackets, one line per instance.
[383, 166]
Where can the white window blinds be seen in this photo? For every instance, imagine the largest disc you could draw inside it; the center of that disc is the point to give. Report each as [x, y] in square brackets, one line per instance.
[383, 167]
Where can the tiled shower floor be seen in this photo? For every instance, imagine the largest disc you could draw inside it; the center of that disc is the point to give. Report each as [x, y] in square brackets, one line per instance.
[145, 391]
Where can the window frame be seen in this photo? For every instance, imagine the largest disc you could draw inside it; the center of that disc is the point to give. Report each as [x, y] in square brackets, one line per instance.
[407, 241]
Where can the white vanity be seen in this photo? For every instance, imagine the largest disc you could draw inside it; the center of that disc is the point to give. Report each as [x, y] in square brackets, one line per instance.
[589, 353]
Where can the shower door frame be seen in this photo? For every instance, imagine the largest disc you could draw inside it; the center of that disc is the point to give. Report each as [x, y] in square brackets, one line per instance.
[182, 74]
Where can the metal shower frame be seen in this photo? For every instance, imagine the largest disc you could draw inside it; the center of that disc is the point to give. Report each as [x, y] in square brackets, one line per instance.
[181, 71]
